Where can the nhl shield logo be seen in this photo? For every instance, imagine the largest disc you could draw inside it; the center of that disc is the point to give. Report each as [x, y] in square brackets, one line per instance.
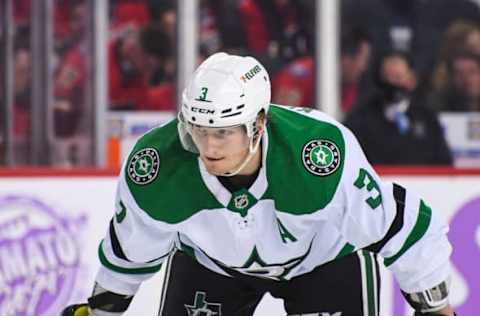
[143, 166]
[241, 201]
[321, 157]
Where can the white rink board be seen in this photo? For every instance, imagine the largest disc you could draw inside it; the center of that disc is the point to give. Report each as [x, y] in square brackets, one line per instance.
[91, 198]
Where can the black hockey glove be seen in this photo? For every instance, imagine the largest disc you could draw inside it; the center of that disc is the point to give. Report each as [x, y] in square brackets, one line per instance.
[101, 301]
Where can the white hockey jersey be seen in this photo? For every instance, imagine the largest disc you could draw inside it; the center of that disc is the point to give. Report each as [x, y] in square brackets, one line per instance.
[316, 199]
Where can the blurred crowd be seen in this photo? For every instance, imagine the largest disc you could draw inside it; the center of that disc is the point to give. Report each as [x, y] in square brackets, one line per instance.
[402, 62]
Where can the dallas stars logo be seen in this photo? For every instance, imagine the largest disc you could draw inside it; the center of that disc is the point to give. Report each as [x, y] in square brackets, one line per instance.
[321, 157]
[201, 307]
[257, 267]
[143, 166]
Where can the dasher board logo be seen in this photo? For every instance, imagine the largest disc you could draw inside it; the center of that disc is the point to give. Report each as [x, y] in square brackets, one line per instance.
[39, 257]
[143, 166]
[321, 157]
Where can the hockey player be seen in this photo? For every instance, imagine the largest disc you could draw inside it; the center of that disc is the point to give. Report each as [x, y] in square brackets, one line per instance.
[238, 197]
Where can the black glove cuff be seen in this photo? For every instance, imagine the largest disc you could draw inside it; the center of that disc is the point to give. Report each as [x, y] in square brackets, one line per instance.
[110, 302]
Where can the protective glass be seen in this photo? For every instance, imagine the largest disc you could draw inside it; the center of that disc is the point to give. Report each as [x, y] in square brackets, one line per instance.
[220, 137]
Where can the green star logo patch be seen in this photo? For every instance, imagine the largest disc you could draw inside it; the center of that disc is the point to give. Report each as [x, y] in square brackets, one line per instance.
[143, 166]
[321, 157]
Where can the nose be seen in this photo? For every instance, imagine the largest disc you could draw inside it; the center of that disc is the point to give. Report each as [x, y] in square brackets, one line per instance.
[211, 146]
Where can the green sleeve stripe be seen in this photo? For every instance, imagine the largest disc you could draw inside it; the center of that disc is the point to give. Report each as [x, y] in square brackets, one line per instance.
[346, 250]
[107, 264]
[421, 226]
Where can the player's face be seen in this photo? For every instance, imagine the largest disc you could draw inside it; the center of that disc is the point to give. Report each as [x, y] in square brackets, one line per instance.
[222, 149]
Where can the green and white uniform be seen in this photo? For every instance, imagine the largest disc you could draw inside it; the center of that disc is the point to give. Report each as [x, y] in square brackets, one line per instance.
[316, 198]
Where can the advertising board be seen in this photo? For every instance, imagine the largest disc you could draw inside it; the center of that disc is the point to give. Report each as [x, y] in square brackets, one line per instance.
[50, 227]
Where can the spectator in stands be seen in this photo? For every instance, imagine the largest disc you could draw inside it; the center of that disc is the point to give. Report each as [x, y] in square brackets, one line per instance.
[138, 61]
[355, 55]
[161, 69]
[21, 86]
[395, 117]
[127, 67]
[129, 14]
[294, 84]
[411, 26]
[276, 31]
[462, 92]
[461, 36]
[70, 78]
[269, 24]
[21, 108]
[159, 51]
[220, 29]
[21, 12]
[209, 32]
[70, 91]
[61, 24]
[164, 16]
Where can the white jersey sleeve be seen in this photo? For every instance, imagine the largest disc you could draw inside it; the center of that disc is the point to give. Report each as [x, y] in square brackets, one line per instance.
[393, 222]
[135, 245]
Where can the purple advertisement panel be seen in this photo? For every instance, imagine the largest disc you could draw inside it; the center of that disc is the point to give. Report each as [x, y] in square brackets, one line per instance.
[39, 257]
[465, 237]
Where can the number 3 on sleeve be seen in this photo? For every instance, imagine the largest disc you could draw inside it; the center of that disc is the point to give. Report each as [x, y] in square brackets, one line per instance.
[365, 179]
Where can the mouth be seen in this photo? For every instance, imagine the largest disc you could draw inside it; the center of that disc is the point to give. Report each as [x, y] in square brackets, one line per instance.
[211, 159]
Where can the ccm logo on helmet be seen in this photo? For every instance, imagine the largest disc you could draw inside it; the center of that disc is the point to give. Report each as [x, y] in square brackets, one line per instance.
[251, 73]
[202, 111]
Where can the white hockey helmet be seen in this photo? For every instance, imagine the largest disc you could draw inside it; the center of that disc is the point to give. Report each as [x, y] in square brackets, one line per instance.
[225, 90]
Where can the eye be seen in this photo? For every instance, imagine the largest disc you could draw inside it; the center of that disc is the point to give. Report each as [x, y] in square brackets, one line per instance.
[224, 132]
